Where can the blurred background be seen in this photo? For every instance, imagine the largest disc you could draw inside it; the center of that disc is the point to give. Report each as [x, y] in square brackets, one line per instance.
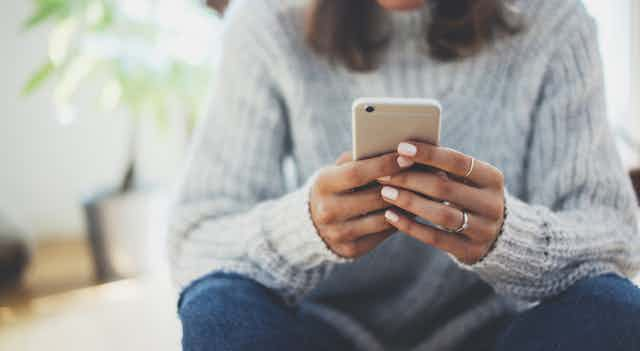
[99, 99]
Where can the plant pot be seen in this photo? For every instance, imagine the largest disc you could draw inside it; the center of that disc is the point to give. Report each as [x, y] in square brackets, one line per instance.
[635, 180]
[126, 232]
[14, 259]
[15, 254]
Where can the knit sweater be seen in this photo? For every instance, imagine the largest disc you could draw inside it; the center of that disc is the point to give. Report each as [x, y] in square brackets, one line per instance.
[531, 104]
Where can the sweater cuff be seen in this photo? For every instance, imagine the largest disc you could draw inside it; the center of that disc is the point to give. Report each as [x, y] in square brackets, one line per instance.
[522, 250]
[292, 241]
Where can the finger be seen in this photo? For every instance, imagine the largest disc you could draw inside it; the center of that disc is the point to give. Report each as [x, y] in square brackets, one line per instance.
[428, 235]
[341, 207]
[344, 158]
[355, 229]
[367, 243]
[355, 174]
[446, 217]
[358, 203]
[484, 230]
[441, 187]
[454, 162]
[454, 244]
[358, 228]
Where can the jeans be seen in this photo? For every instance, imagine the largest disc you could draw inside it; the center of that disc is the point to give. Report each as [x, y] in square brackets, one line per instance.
[228, 312]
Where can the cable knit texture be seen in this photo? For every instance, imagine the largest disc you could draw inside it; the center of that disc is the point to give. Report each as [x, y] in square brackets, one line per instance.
[531, 104]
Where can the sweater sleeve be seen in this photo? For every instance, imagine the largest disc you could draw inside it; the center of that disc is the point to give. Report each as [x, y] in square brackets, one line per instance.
[578, 216]
[231, 212]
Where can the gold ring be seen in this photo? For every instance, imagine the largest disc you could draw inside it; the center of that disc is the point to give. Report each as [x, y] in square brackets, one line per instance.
[473, 162]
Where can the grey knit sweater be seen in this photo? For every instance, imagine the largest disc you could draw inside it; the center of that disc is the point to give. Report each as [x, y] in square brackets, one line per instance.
[531, 104]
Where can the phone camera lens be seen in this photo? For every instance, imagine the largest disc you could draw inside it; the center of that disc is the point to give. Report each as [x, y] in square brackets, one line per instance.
[370, 109]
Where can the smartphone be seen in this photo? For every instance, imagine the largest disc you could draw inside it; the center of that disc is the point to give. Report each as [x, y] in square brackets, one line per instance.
[380, 124]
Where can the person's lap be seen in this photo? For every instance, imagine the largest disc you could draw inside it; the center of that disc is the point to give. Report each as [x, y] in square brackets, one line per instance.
[601, 313]
[229, 312]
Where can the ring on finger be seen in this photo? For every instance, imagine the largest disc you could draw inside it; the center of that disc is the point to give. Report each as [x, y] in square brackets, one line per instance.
[473, 163]
[465, 223]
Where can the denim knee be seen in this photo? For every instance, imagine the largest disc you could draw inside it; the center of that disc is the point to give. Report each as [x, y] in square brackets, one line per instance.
[613, 303]
[229, 312]
[221, 311]
[600, 313]
[225, 287]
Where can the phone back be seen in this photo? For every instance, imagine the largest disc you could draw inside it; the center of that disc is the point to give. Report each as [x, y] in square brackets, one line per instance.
[380, 124]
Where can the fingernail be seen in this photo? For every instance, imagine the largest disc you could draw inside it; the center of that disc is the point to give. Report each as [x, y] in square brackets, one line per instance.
[404, 162]
[389, 193]
[407, 149]
[385, 179]
[392, 217]
[442, 175]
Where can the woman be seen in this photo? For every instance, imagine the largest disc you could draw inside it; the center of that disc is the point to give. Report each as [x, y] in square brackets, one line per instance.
[345, 261]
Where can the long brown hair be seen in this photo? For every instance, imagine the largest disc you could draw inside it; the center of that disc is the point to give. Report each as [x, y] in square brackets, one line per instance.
[356, 32]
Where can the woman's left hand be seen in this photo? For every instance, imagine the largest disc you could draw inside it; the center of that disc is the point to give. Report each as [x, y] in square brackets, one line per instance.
[463, 188]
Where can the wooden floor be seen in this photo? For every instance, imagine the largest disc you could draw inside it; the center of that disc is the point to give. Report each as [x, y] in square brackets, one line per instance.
[55, 267]
[60, 307]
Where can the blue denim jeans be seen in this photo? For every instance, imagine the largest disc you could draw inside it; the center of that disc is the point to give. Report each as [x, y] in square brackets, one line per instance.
[228, 312]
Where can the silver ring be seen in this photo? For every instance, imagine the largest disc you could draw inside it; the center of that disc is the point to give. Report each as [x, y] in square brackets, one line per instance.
[473, 163]
[465, 223]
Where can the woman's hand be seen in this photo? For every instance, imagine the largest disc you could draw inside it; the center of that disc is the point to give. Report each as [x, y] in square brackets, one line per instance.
[468, 186]
[346, 206]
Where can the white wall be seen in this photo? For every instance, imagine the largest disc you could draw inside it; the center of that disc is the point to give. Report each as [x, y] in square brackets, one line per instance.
[614, 27]
[635, 68]
[617, 41]
[46, 169]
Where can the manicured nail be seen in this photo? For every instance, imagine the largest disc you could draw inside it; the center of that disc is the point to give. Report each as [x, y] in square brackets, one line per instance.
[407, 149]
[404, 162]
[442, 175]
[392, 217]
[385, 179]
[389, 193]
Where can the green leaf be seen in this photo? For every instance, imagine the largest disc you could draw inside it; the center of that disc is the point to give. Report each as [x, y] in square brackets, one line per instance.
[45, 11]
[108, 17]
[38, 77]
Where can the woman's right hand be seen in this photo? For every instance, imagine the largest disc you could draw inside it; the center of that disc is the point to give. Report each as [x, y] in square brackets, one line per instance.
[346, 206]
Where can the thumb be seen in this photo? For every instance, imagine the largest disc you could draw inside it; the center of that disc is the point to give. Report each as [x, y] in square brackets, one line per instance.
[344, 158]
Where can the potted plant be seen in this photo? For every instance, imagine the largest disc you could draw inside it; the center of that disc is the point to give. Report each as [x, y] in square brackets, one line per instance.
[149, 59]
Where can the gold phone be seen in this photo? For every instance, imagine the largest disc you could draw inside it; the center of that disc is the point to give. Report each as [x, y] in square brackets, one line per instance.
[380, 124]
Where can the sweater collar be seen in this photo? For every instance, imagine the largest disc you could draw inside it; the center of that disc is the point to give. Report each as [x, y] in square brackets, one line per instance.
[409, 25]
